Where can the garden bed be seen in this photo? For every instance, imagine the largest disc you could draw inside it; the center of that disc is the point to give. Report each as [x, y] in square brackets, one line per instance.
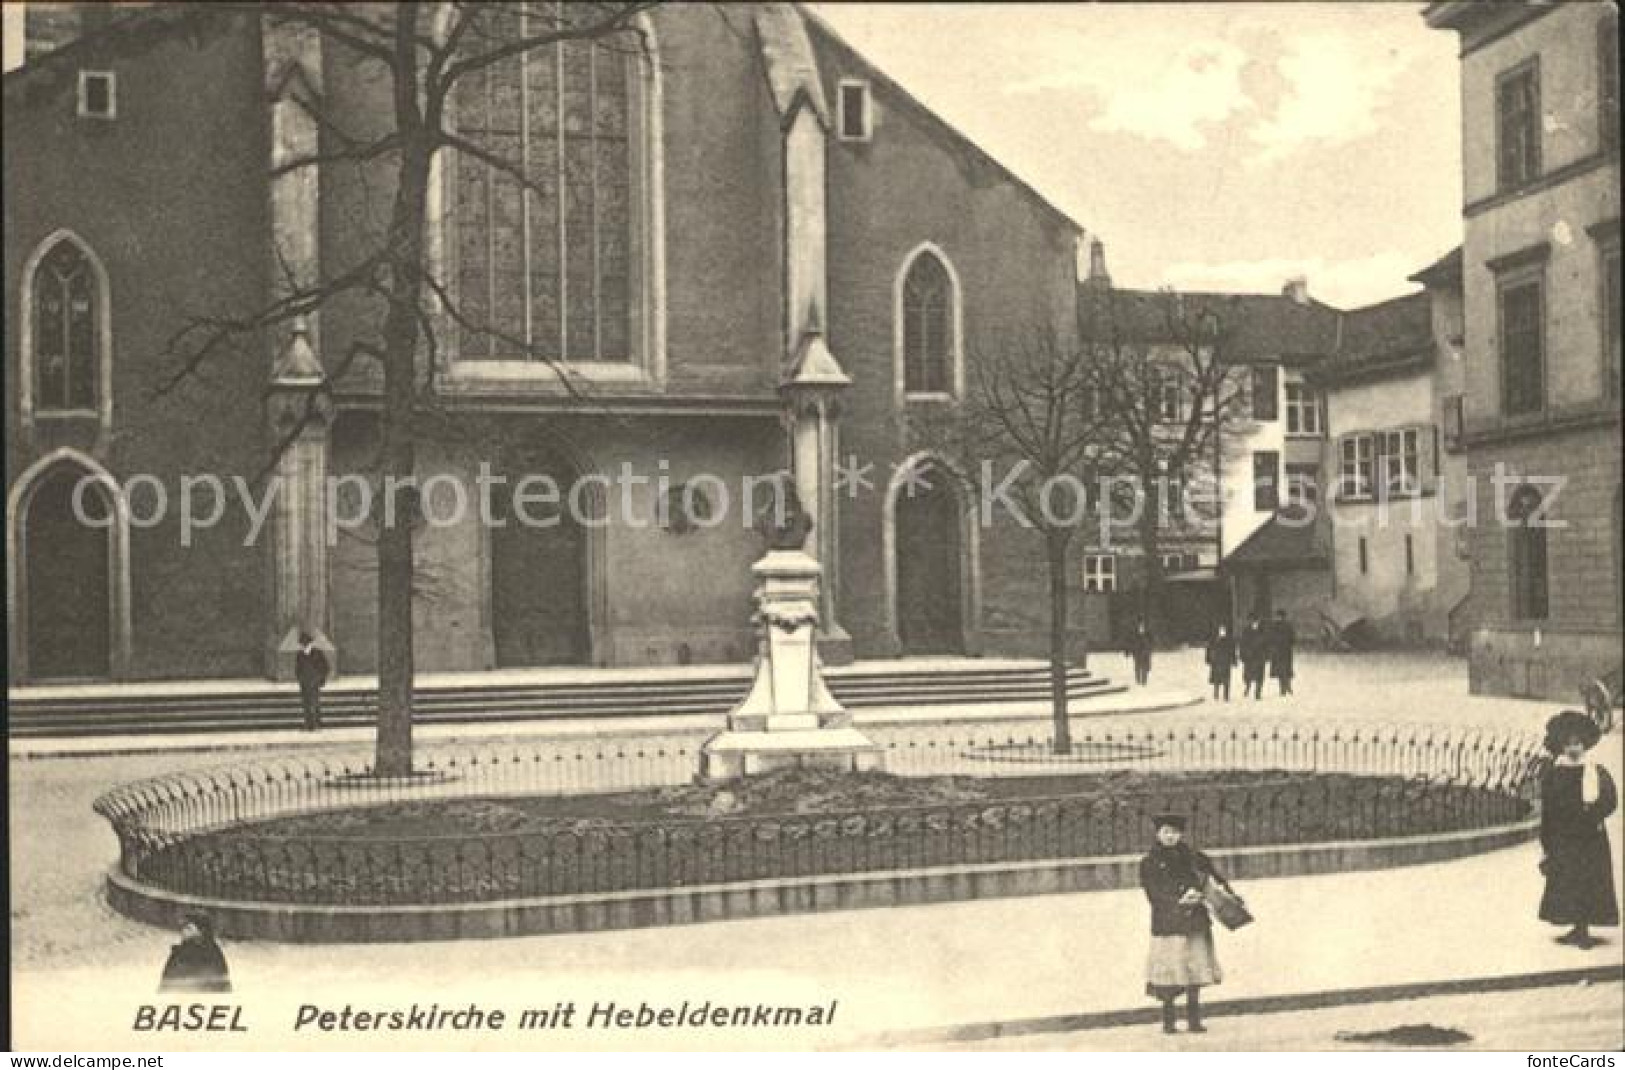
[793, 824]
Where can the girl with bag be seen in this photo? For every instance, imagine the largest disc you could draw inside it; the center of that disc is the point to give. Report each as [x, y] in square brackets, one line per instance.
[1182, 959]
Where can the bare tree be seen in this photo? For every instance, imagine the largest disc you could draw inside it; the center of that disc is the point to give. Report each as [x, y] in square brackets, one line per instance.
[1161, 371]
[424, 52]
[1024, 432]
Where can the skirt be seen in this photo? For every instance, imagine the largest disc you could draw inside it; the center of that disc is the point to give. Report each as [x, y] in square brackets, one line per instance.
[1180, 962]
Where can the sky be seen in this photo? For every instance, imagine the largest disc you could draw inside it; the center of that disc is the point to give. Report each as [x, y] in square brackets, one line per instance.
[1211, 146]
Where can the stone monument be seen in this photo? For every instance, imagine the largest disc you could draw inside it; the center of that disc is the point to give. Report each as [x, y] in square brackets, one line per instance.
[788, 718]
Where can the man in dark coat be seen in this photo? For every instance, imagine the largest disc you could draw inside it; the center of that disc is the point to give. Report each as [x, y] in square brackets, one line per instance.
[1221, 658]
[1282, 639]
[1139, 648]
[310, 669]
[1254, 647]
[196, 964]
[1576, 796]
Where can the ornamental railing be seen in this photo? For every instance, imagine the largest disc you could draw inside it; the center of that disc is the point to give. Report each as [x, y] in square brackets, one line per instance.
[214, 833]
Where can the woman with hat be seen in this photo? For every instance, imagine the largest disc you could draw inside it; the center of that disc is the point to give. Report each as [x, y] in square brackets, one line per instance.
[1576, 796]
[1182, 958]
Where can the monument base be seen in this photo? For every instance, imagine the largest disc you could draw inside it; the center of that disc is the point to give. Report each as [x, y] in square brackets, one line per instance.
[734, 754]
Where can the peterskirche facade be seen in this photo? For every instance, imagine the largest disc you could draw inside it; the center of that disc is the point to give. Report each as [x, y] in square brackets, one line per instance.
[766, 255]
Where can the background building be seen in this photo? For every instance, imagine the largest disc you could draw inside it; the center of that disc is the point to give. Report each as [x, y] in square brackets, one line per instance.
[1541, 279]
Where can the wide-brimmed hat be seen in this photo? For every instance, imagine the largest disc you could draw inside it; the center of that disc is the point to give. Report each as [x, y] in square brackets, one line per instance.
[1571, 724]
[1178, 821]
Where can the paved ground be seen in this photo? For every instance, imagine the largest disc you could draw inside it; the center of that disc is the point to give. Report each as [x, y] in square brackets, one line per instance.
[1567, 1018]
[910, 968]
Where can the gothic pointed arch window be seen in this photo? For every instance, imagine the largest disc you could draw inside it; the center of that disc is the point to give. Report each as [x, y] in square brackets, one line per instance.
[66, 335]
[551, 234]
[928, 318]
[1529, 569]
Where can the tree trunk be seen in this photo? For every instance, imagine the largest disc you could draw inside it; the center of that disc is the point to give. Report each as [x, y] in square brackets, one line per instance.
[1150, 552]
[400, 336]
[1055, 546]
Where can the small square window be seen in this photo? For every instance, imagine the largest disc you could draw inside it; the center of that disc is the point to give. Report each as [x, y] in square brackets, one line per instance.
[98, 95]
[853, 116]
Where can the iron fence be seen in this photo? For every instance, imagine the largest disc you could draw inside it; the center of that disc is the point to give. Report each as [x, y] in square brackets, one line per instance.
[207, 833]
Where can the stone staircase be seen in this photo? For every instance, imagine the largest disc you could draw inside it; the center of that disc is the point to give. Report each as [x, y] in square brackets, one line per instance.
[45, 712]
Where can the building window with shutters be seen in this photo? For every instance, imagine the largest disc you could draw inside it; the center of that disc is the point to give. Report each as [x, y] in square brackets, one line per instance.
[928, 325]
[550, 265]
[1303, 411]
[1517, 115]
[1100, 573]
[1526, 536]
[1523, 358]
[1266, 480]
[1303, 485]
[1400, 454]
[1265, 402]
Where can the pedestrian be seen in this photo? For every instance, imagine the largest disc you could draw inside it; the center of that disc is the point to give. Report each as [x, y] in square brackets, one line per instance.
[1254, 648]
[1221, 658]
[1139, 648]
[1182, 958]
[196, 964]
[310, 669]
[1282, 639]
[1576, 796]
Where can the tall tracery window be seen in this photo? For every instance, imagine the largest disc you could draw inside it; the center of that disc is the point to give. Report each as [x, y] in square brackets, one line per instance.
[928, 324]
[66, 334]
[1527, 535]
[547, 262]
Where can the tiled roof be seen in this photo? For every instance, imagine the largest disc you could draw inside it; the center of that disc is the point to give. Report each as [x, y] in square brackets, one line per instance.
[1443, 273]
[1259, 325]
[1396, 333]
[1279, 542]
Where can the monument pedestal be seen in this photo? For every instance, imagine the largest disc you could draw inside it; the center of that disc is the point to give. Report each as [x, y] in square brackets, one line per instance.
[788, 718]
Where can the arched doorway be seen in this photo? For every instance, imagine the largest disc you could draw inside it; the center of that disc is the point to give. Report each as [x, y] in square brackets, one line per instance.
[67, 576]
[928, 568]
[540, 563]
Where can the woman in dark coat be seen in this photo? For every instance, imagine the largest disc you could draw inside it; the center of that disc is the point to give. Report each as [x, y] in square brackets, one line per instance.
[1282, 640]
[1254, 646]
[1182, 958]
[1139, 648]
[196, 964]
[1576, 796]
[1221, 658]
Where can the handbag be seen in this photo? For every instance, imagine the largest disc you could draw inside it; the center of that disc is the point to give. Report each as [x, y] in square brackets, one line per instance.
[1227, 906]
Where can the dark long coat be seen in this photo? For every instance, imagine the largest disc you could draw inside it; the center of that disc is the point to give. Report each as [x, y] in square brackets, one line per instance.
[1254, 647]
[310, 669]
[195, 966]
[1579, 864]
[1281, 641]
[1140, 645]
[1166, 873]
[1221, 658]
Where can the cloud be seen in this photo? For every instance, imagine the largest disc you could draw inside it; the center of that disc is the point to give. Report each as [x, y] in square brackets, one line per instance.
[1333, 88]
[1148, 89]
[1342, 283]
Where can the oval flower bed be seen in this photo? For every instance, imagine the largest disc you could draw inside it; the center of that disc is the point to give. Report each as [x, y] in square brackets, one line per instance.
[796, 823]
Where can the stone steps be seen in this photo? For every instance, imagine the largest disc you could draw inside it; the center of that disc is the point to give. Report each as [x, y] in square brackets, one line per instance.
[274, 707]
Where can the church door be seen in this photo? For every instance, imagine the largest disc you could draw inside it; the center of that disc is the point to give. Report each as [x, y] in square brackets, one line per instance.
[69, 592]
[539, 573]
[929, 618]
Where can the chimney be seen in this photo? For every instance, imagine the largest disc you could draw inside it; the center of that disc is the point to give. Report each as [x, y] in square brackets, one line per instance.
[1297, 288]
[49, 26]
[1098, 275]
